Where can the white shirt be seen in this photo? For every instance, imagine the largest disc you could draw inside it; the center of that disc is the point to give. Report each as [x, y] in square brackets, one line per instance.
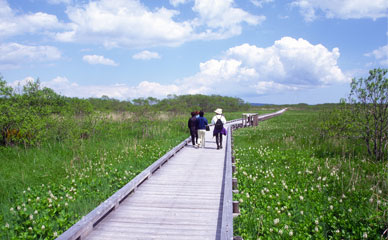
[216, 117]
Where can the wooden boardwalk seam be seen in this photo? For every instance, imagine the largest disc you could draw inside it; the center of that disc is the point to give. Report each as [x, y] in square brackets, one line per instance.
[186, 194]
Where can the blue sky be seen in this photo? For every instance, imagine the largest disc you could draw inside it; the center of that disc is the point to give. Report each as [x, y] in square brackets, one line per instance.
[264, 51]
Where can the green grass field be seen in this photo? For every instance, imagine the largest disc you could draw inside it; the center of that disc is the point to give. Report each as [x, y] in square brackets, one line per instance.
[294, 184]
[44, 190]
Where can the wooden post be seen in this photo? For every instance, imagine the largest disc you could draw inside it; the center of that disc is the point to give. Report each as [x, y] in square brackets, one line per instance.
[255, 119]
[236, 209]
[234, 183]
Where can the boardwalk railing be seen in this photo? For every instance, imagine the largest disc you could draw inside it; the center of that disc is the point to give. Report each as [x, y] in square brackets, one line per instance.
[228, 208]
[83, 227]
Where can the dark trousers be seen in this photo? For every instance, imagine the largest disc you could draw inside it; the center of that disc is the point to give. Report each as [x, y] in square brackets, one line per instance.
[194, 136]
[219, 140]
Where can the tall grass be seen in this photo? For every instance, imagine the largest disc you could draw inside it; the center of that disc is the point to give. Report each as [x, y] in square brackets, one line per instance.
[46, 189]
[295, 184]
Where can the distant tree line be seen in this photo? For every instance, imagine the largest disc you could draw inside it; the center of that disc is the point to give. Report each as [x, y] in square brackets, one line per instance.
[173, 103]
[31, 114]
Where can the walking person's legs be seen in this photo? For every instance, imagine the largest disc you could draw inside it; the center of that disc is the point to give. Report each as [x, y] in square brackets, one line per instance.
[192, 133]
[218, 140]
[201, 134]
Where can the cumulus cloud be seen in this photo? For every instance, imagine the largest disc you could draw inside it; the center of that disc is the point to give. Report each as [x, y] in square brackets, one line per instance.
[246, 71]
[381, 55]
[146, 55]
[289, 64]
[128, 23]
[12, 24]
[96, 59]
[12, 55]
[124, 23]
[346, 9]
[222, 18]
[64, 86]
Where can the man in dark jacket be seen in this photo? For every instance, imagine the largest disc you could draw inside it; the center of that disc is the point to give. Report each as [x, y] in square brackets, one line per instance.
[192, 124]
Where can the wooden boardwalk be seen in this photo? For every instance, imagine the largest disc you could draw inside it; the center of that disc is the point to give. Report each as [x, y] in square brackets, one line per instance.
[180, 201]
[186, 194]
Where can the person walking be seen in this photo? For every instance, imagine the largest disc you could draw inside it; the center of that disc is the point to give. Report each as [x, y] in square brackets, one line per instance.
[192, 124]
[201, 126]
[218, 120]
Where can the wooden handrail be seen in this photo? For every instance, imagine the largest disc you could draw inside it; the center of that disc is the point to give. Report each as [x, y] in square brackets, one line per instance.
[84, 226]
[227, 191]
[227, 208]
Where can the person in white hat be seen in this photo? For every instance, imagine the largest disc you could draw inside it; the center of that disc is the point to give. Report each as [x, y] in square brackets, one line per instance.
[218, 120]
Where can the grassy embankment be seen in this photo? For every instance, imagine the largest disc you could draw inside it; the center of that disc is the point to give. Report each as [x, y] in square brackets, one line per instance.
[294, 184]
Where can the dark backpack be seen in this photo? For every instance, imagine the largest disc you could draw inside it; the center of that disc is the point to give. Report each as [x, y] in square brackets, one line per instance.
[219, 125]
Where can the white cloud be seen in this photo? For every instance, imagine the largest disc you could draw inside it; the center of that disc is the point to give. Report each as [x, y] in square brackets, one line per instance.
[222, 18]
[259, 3]
[124, 23]
[64, 86]
[12, 24]
[96, 59]
[18, 84]
[381, 55]
[289, 64]
[177, 2]
[146, 55]
[59, 1]
[246, 71]
[345, 9]
[12, 55]
[128, 23]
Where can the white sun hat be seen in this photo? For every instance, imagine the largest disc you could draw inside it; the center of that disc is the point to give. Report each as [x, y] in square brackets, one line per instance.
[218, 111]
